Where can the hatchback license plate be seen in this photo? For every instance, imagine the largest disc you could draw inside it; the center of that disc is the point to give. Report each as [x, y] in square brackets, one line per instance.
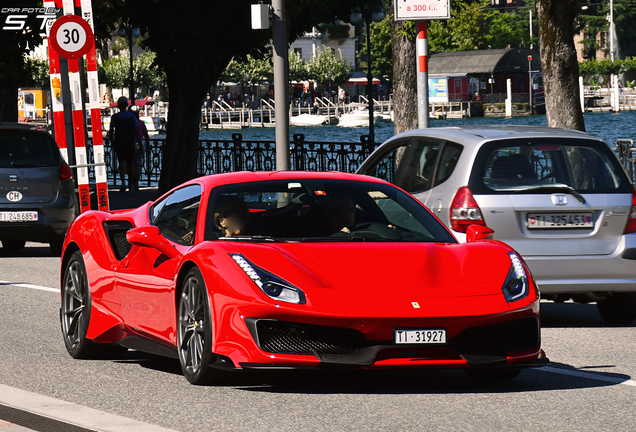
[560, 220]
[19, 216]
[436, 336]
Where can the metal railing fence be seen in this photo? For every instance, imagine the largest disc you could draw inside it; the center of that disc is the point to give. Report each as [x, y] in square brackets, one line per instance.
[218, 156]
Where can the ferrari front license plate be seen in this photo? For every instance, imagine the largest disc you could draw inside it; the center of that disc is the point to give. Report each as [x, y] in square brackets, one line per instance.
[437, 336]
[19, 216]
[560, 220]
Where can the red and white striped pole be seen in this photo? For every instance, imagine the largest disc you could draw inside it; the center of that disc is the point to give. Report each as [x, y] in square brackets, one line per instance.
[422, 76]
[101, 177]
[78, 123]
[57, 104]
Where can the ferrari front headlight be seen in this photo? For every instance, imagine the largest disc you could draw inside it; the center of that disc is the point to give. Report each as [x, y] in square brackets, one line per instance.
[516, 285]
[270, 284]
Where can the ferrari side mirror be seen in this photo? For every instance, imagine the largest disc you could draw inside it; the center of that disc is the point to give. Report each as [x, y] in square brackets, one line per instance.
[150, 236]
[478, 232]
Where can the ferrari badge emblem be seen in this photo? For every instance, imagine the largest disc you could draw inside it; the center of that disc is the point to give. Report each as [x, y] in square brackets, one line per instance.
[415, 305]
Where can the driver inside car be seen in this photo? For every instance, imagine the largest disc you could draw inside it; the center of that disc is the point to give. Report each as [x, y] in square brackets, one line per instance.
[231, 217]
[340, 213]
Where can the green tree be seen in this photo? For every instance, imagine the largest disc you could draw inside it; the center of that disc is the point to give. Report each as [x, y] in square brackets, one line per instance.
[39, 71]
[607, 67]
[593, 21]
[328, 67]
[115, 71]
[250, 71]
[298, 67]
[381, 49]
[629, 65]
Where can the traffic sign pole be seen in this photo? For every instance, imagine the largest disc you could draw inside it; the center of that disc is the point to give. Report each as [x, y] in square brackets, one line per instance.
[57, 104]
[422, 76]
[68, 36]
[101, 177]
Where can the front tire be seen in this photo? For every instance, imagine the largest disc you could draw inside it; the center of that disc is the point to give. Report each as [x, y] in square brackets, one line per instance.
[75, 314]
[619, 309]
[194, 331]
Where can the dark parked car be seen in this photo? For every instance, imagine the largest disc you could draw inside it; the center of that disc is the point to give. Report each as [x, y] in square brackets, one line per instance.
[37, 192]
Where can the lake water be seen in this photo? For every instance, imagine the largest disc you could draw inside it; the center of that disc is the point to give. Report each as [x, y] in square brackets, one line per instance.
[607, 126]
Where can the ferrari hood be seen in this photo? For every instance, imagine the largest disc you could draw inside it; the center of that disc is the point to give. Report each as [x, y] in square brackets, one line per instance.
[385, 270]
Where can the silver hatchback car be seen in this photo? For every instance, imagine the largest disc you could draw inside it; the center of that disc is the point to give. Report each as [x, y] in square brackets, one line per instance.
[37, 192]
[559, 197]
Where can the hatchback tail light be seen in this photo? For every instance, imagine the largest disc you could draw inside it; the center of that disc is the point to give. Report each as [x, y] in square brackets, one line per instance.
[631, 221]
[464, 211]
[65, 172]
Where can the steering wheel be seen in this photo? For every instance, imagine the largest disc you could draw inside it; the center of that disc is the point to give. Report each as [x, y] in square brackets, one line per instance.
[374, 230]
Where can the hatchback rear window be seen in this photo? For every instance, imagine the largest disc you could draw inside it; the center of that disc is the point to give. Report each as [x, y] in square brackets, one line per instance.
[24, 148]
[585, 166]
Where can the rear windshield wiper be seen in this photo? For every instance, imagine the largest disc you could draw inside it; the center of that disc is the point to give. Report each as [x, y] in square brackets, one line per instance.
[553, 189]
[255, 238]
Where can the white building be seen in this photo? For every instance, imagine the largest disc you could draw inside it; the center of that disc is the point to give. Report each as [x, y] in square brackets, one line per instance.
[309, 43]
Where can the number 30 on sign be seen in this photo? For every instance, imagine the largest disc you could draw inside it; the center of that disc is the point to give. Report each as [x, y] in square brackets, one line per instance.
[71, 36]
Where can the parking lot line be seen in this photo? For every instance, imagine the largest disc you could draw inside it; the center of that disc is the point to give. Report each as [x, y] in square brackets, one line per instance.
[37, 287]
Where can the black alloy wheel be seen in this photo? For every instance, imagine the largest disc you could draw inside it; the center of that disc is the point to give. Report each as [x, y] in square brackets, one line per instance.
[194, 331]
[75, 314]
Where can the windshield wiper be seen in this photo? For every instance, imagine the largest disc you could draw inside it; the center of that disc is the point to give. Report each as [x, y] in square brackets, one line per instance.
[553, 189]
[255, 238]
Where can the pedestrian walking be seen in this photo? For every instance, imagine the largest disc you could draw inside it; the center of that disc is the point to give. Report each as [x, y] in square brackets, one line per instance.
[124, 129]
[142, 147]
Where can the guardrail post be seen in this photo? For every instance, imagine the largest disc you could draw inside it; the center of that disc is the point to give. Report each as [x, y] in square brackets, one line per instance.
[238, 154]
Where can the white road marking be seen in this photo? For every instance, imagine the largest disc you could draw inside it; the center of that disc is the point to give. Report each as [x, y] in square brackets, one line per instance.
[588, 375]
[37, 287]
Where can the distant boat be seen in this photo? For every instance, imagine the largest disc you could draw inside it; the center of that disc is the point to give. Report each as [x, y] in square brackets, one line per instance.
[308, 120]
[154, 125]
[358, 118]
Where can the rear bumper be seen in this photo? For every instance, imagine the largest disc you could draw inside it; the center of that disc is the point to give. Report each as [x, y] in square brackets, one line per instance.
[587, 273]
[54, 219]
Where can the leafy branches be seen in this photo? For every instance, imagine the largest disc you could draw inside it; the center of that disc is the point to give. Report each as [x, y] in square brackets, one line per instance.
[592, 69]
[116, 71]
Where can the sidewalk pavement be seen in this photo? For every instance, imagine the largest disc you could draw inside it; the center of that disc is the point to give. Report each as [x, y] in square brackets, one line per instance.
[24, 411]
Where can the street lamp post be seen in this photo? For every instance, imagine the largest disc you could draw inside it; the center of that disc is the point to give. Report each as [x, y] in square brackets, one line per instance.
[530, 81]
[369, 14]
[130, 32]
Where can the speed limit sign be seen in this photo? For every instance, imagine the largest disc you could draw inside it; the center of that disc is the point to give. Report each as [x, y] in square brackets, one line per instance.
[71, 36]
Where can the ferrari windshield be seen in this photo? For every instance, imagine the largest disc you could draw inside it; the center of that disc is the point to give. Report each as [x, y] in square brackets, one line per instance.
[319, 210]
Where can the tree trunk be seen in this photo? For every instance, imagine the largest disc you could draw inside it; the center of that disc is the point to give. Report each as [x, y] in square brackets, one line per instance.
[404, 78]
[559, 64]
[182, 134]
[8, 103]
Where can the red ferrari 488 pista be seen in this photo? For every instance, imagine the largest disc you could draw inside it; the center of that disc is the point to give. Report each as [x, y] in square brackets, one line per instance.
[295, 269]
